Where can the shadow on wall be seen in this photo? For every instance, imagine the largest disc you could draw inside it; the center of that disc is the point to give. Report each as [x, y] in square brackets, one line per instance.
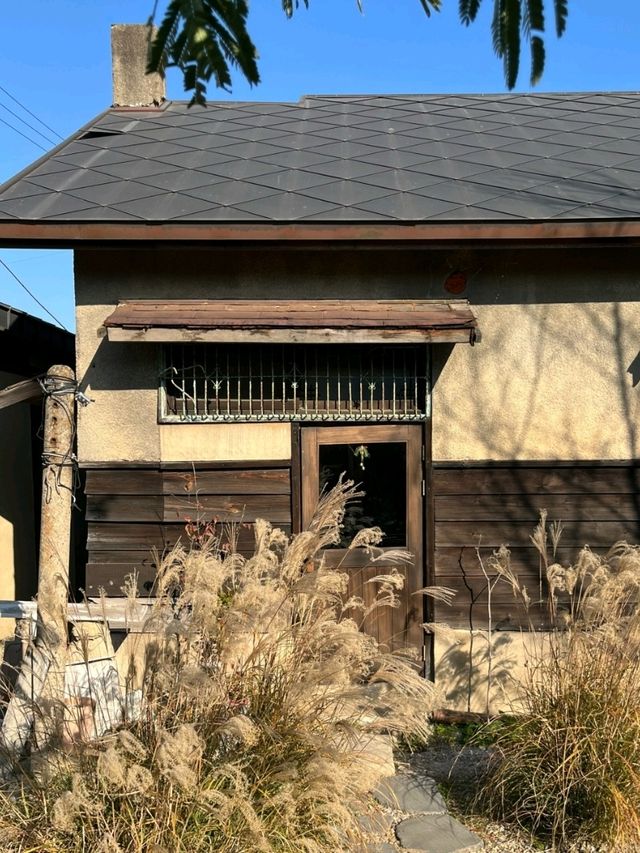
[462, 670]
[122, 367]
[634, 370]
[546, 383]
[496, 276]
[552, 384]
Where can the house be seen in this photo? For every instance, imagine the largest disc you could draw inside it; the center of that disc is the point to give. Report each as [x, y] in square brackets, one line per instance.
[28, 347]
[438, 294]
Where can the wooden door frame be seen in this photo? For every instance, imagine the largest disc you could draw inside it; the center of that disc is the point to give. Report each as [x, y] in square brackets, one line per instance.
[305, 445]
[428, 539]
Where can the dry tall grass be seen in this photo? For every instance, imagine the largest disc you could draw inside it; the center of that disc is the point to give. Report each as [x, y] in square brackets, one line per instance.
[568, 768]
[259, 691]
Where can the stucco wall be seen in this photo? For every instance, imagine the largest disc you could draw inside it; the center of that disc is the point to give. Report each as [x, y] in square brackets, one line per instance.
[121, 381]
[219, 442]
[464, 686]
[555, 377]
[549, 381]
[17, 530]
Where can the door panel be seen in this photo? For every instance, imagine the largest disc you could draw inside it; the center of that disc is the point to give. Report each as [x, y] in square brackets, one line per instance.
[385, 460]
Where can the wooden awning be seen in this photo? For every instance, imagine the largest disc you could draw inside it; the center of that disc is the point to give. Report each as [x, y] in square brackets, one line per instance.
[325, 321]
[27, 391]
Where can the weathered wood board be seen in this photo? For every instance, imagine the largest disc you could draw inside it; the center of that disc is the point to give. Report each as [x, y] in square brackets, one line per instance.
[131, 511]
[486, 505]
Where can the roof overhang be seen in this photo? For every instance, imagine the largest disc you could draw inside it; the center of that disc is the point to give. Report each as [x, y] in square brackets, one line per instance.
[22, 392]
[276, 321]
[69, 234]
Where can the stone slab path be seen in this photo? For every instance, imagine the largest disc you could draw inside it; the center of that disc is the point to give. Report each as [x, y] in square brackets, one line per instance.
[414, 814]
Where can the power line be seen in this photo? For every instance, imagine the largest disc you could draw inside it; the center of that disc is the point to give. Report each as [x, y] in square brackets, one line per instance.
[28, 138]
[33, 115]
[24, 121]
[32, 295]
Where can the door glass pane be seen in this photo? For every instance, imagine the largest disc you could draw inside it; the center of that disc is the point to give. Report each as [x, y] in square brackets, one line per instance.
[380, 470]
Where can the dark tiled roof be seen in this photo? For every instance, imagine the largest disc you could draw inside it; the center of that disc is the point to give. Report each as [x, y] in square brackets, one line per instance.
[414, 158]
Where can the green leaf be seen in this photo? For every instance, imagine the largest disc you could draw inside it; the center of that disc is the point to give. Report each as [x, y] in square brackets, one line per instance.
[537, 59]
[468, 11]
[429, 5]
[498, 28]
[512, 12]
[204, 39]
[289, 6]
[160, 46]
[533, 17]
[562, 12]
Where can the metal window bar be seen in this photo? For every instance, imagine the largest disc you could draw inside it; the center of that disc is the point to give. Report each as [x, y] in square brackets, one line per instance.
[372, 384]
[195, 388]
[228, 381]
[393, 388]
[245, 382]
[261, 384]
[360, 396]
[306, 382]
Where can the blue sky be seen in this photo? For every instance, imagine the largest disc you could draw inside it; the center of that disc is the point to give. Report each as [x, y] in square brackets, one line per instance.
[56, 61]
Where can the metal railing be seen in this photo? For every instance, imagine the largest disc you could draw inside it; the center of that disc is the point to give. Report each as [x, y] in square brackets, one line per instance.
[271, 382]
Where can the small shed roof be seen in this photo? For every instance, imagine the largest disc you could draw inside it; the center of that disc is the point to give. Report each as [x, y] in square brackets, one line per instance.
[438, 160]
[293, 321]
[29, 345]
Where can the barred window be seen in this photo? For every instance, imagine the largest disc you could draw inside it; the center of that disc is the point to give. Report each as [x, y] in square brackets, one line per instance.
[287, 382]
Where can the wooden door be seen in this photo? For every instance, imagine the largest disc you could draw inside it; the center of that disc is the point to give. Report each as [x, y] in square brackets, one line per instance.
[386, 462]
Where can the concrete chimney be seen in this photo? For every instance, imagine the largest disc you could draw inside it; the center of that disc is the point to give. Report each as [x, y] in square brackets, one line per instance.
[132, 86]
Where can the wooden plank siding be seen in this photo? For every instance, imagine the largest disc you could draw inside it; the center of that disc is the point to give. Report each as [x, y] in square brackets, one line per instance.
[490, 504]
[132, 510]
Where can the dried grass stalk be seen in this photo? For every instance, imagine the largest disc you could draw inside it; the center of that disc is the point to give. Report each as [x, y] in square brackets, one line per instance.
[568, 769]
[258, 691]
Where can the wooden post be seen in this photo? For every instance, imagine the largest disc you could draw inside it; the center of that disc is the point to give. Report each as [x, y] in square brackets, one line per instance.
[57, 494]
[55, 543]
[41, 680]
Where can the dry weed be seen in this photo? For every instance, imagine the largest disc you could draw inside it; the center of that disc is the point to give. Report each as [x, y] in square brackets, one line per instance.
[259, 691]
[568, 768]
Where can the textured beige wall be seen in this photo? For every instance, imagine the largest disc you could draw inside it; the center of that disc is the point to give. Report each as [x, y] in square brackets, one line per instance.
[552, 379]
[17, 523]
[217, 442]
[121, 380]
[547, 382]
[557, 373]
[465, 688]
[7, 572]
[121, 422]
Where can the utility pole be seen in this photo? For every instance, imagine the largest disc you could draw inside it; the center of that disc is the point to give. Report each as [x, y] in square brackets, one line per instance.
[41, 679]
[57, 497]
[59, 387]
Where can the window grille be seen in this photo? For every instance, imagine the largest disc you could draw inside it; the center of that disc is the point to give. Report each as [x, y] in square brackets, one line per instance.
[291, 382]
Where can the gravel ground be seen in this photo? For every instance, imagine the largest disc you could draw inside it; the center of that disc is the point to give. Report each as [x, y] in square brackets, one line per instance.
[460, 769]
